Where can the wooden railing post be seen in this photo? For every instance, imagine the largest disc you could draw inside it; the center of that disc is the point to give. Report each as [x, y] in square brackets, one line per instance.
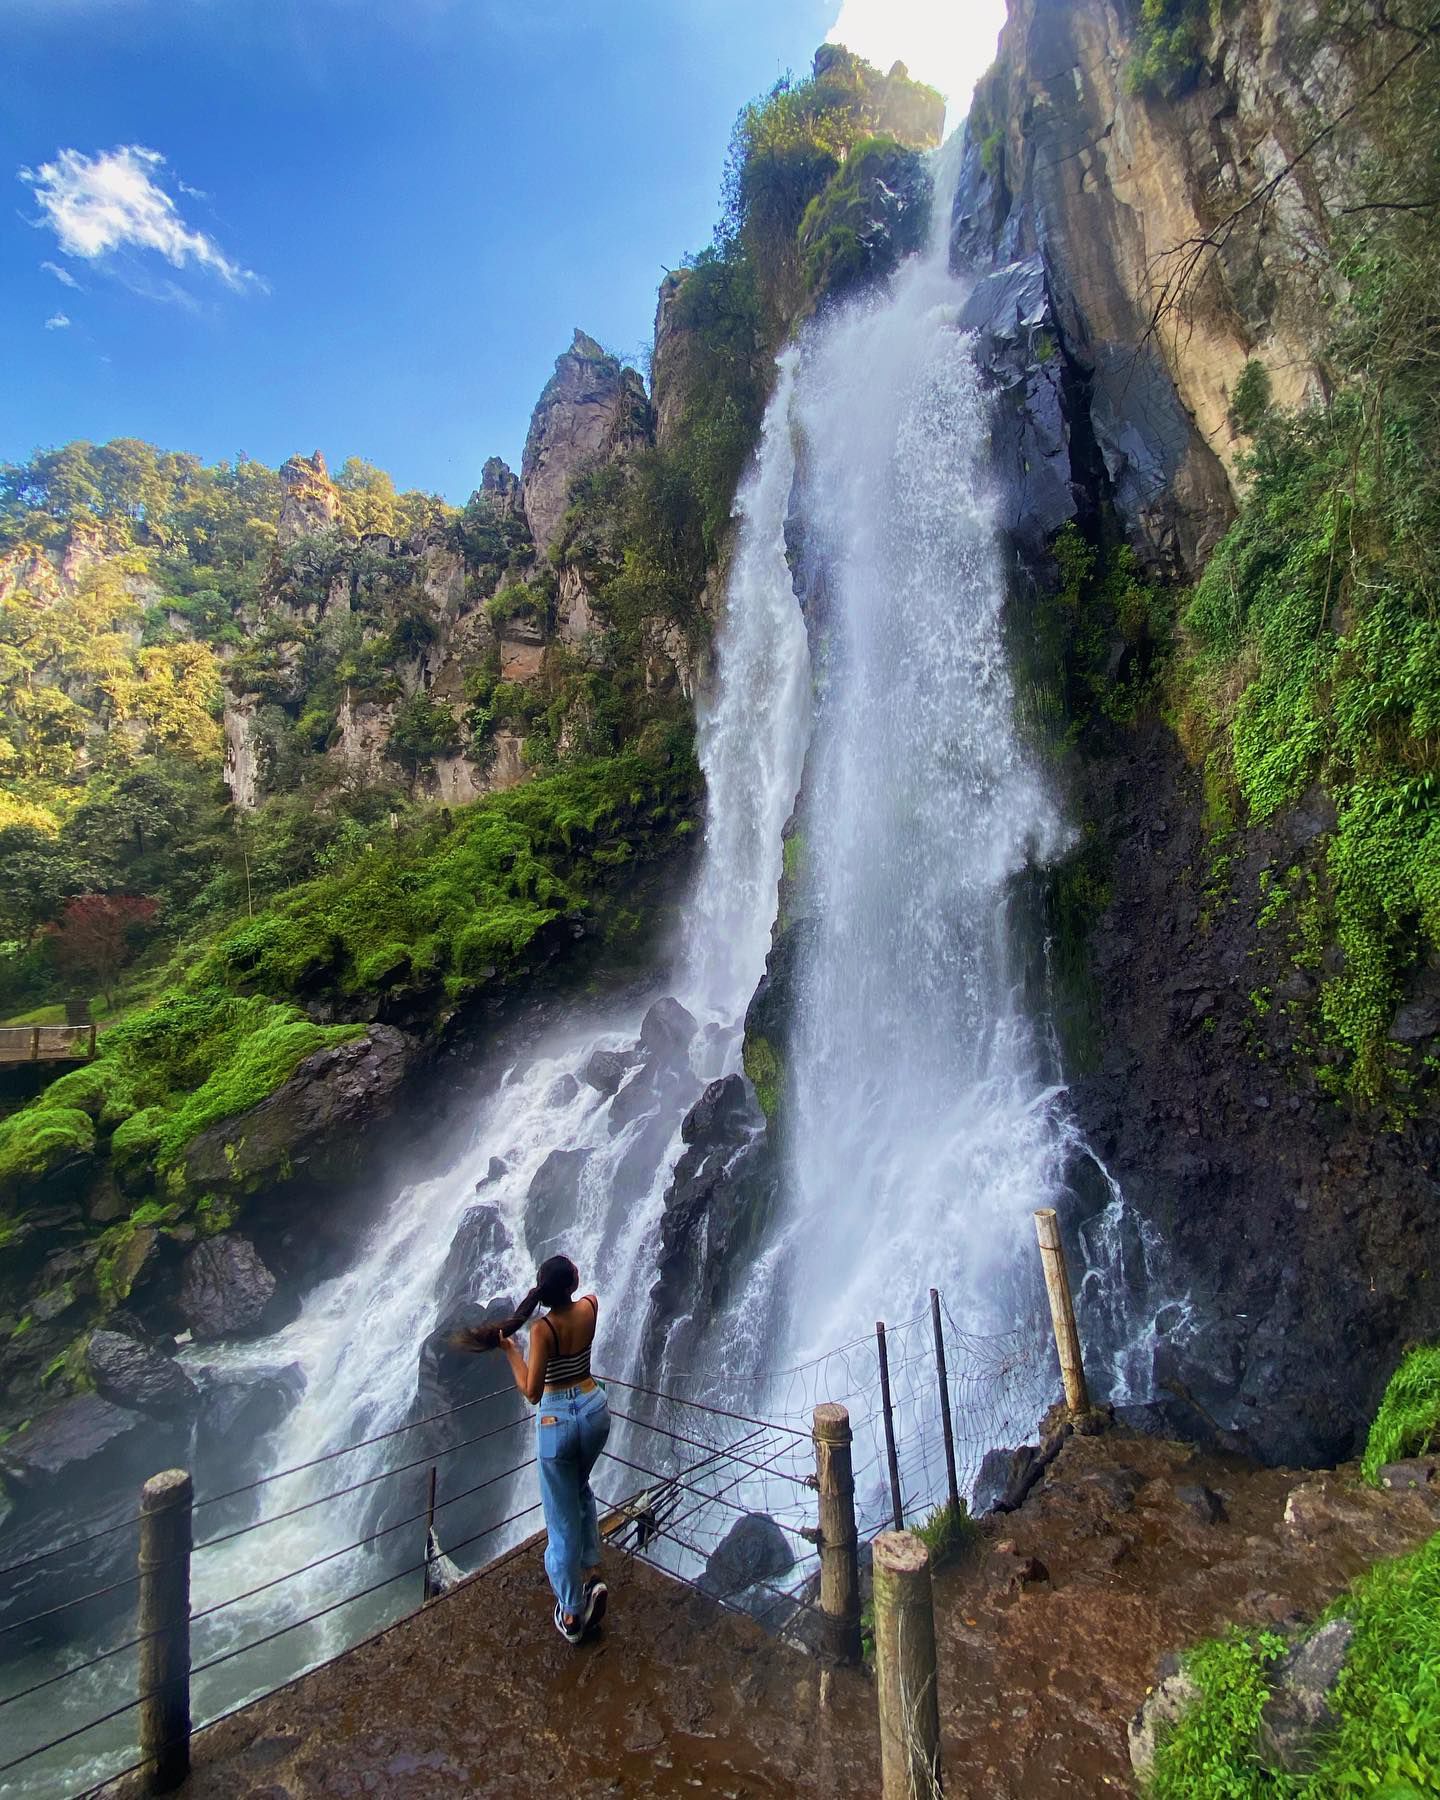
[905, 1677]
[1062, 1310]
[839, 1561]
[166, 1540]
[952, 1480]
[896, 1506]
[35, 1044]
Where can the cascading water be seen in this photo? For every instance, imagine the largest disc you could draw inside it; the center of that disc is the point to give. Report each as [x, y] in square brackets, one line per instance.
[921, 1125]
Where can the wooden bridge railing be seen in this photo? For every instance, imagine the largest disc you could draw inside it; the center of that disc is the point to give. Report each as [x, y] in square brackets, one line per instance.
[46, 1043]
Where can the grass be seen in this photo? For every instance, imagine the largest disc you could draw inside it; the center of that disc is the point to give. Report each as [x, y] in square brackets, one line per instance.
[1408, 1422]
[1386, 1741]
[946, 1532]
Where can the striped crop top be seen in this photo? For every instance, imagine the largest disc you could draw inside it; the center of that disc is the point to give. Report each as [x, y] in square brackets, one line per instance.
[566, 1371]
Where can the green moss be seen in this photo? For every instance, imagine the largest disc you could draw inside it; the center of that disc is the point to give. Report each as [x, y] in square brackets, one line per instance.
[1408, 1422]
[1211, 1750]
[766, 1073]
[39, 1139]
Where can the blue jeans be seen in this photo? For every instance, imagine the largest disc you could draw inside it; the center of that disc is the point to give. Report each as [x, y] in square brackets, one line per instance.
[570, 1432]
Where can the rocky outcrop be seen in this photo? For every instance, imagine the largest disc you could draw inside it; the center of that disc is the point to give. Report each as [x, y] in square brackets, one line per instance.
[315, 1122]
[1117, 191]
[308, 501]
[131, 1373]
[591, 408]
[752, 1551]
[226, 1290]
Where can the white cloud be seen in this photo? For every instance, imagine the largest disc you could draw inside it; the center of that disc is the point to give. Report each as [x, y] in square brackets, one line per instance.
[949, 46]
[57, 322]
[114, 201]
[63, 276]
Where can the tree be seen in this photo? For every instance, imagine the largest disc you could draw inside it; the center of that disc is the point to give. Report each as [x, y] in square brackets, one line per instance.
[422, 729]
[95, 936]
[41, 873]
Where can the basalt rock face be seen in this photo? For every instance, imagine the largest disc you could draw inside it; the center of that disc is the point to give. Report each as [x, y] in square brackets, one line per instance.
[1286, 1232]
[591, 408]
[1115, 191]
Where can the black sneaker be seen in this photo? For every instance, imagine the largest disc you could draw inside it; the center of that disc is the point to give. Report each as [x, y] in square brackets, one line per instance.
[572, 1634]
[597, 1598]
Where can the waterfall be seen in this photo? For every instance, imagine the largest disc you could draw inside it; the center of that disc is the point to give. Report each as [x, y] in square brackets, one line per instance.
[921, 1128]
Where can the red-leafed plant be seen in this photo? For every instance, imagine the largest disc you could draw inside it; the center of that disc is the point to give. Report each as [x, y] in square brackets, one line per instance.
[94, 937]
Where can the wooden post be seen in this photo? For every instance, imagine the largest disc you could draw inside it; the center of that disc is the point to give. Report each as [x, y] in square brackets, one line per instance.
[905, 1679]
[1062, 1310]
[166, 1539]
[896, 1508]
[92, 1038]
[952, 1480]
[839, 1563]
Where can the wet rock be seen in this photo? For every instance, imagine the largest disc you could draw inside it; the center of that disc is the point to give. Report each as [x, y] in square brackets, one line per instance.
[753, 1549]
[552, 1201]
[237, 1409]
[1117, 1488]
[562, 1091]
[1164, 1706]
[498, 1168]
[225, 1289]
[606, 1069]
[132, 1374]
[1415, 1474]
[666, 1031]
[1298, 1712]
[317, 1121]
[70, 1475]
[481, 1238]
[720, 1195]
[1201, 1502]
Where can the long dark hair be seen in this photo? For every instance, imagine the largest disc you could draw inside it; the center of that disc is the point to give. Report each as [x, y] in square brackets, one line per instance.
[555, 1283]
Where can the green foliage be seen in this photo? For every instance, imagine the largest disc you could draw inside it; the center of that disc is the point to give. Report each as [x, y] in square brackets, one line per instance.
[766, 1072]
[1211, 1751]
[39, 1140]
[1408, 1421]
[1251, 399]
[1169, 51]
[422, 728]
[515, 601]
[947, 1532]
[872, 211]
[1387, 1702]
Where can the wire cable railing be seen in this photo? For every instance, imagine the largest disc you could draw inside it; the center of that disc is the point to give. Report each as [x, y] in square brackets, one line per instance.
[707, 1467]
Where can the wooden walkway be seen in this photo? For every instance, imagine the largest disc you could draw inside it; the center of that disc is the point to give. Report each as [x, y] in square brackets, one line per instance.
[46, 1043]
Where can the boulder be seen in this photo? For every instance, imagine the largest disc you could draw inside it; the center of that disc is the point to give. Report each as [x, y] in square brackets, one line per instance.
[666, 1032]
[481, 1237]
[1298, 1713]
[606, 1069]
[1164, 1706]
[497, 1169]
[225, 1289]
[552, 1201]
[753, 1549]
[1201, 1502]
[316, 1121]
[241, 1409]
[131, 1373]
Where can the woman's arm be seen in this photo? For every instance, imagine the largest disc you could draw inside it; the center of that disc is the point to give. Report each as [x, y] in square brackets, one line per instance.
[529, 1379]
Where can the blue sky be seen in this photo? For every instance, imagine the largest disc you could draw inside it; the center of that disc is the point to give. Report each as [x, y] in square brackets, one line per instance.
[369, 226]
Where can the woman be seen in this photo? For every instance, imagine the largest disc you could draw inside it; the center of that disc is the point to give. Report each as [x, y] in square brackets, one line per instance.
[571, 1428]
